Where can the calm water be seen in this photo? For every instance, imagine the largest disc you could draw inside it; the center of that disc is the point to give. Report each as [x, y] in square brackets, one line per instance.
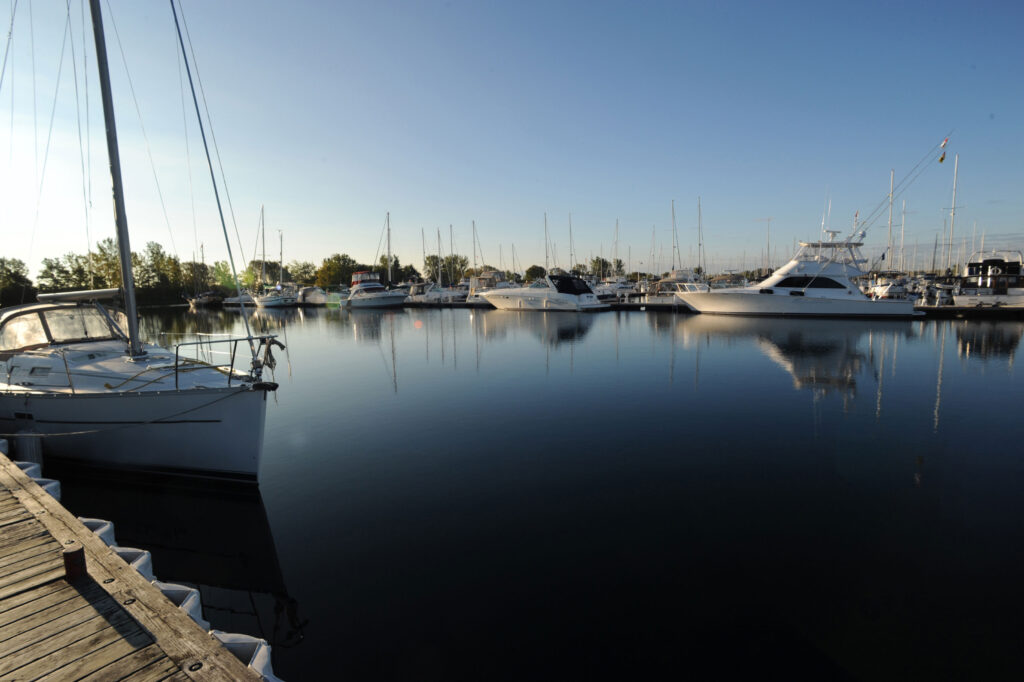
[495, 495]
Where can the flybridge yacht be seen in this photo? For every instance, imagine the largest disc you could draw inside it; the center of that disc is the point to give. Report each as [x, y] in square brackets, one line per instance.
[817, 282]
[554, 292]
[368, 292]
[67, 378]
[992, 279]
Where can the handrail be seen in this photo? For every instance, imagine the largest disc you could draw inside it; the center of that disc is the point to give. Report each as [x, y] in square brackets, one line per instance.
[263, 339]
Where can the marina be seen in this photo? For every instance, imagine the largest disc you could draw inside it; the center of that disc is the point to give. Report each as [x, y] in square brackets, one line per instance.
[504, 413]
[612, 491]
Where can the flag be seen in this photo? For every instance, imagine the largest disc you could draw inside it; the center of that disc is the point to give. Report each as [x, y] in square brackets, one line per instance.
[943, 145]
[943, 157]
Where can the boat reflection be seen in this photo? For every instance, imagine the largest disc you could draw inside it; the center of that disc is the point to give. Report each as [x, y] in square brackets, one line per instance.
[985, 340]
[823, 356]
[554, 328]
[208, 536]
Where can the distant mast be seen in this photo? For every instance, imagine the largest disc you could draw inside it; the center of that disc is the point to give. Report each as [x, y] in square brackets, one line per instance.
[888, 247]
[387, 221]
[952, 213]
[120, 219]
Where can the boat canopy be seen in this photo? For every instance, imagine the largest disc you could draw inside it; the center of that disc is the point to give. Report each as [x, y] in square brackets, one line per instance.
[40, 325]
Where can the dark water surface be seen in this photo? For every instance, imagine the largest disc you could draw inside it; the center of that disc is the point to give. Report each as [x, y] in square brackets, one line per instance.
[494, 495]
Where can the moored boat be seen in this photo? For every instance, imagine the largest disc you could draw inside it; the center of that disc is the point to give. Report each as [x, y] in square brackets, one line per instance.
[552, 292]
[992, 279]
[817, 282]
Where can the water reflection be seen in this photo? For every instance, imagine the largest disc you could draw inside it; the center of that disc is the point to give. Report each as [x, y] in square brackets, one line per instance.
[214, 538]
[822, 356]
[552, 328]
[984, 340]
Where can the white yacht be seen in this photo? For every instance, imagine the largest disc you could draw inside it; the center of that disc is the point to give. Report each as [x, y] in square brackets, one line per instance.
[613, 289]
[665, 289]
[992, 279]
[312, 296]
[281, 296]
[491, 279]
[244, 298]
[367, 292]
[429, 293]
[816, 282]
[553, 292]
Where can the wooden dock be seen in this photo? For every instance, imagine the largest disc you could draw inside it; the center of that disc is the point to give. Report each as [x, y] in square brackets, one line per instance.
[62, 620]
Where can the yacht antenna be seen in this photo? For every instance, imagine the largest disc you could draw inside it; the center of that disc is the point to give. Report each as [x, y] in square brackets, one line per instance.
[120, 220]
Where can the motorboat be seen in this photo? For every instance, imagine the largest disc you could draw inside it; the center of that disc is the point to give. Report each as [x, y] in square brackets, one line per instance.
[207, 299]
[613, 289]
[429, 293]
[76, 375]
[817, 282]
[337, 296]
[485, 281]
[281, 296]
[244, 298]
[992, 279]
[312, 296]
[366, 291]
[665, 289]
[553, 292]
[67, 378]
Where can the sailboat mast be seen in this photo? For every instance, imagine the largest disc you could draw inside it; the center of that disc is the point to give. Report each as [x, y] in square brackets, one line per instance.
[387, 219]
[545, 243]
[120, 219]
[952, 213]
[675, 240]
[700, 242]
[263, 258]
[888, 248]
[280, 265]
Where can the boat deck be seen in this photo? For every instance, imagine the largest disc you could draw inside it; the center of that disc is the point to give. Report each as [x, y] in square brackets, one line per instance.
[97, 621]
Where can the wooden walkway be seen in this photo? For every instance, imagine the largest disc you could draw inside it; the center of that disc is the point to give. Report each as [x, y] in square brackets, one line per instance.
[106, 624]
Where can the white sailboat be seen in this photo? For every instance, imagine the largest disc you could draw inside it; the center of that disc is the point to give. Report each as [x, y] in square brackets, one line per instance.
[282, 295]
[75, 373]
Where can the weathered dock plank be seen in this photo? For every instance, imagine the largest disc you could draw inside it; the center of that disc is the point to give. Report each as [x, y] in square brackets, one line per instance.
[107, 624]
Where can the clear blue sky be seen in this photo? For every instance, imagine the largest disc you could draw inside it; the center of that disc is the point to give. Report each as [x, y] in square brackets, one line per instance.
[333, 113]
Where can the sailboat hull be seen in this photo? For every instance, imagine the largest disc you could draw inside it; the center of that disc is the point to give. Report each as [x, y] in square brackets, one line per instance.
[214, 433]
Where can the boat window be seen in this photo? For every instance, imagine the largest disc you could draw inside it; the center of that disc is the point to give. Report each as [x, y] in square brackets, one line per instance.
[23, 331]
[570, 285]
[539, 284]
[74, 324]
[810, 283]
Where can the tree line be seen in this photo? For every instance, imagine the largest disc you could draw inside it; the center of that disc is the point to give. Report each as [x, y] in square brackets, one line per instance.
[162, 278]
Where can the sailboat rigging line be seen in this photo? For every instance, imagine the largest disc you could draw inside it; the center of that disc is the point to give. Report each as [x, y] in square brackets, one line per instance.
[49, 135]
[142, 128]
[188, 162]
[7, 48]
[216, 193]
[81, 151]
[213, 133]
[900, 187]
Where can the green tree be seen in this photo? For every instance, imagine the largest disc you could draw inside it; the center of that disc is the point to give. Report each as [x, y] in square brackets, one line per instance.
[337, 270]
[302, 272]
[221, 274]
[599, 267]
[15, 286]
[106, 264]
[534, 272]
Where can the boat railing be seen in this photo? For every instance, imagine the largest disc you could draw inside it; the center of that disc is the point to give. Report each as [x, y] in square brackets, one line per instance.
[260, 344]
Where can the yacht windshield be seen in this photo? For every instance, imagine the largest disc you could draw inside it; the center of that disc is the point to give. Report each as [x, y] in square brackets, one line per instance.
[24, 331]
[77, 324]
[570, 285]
